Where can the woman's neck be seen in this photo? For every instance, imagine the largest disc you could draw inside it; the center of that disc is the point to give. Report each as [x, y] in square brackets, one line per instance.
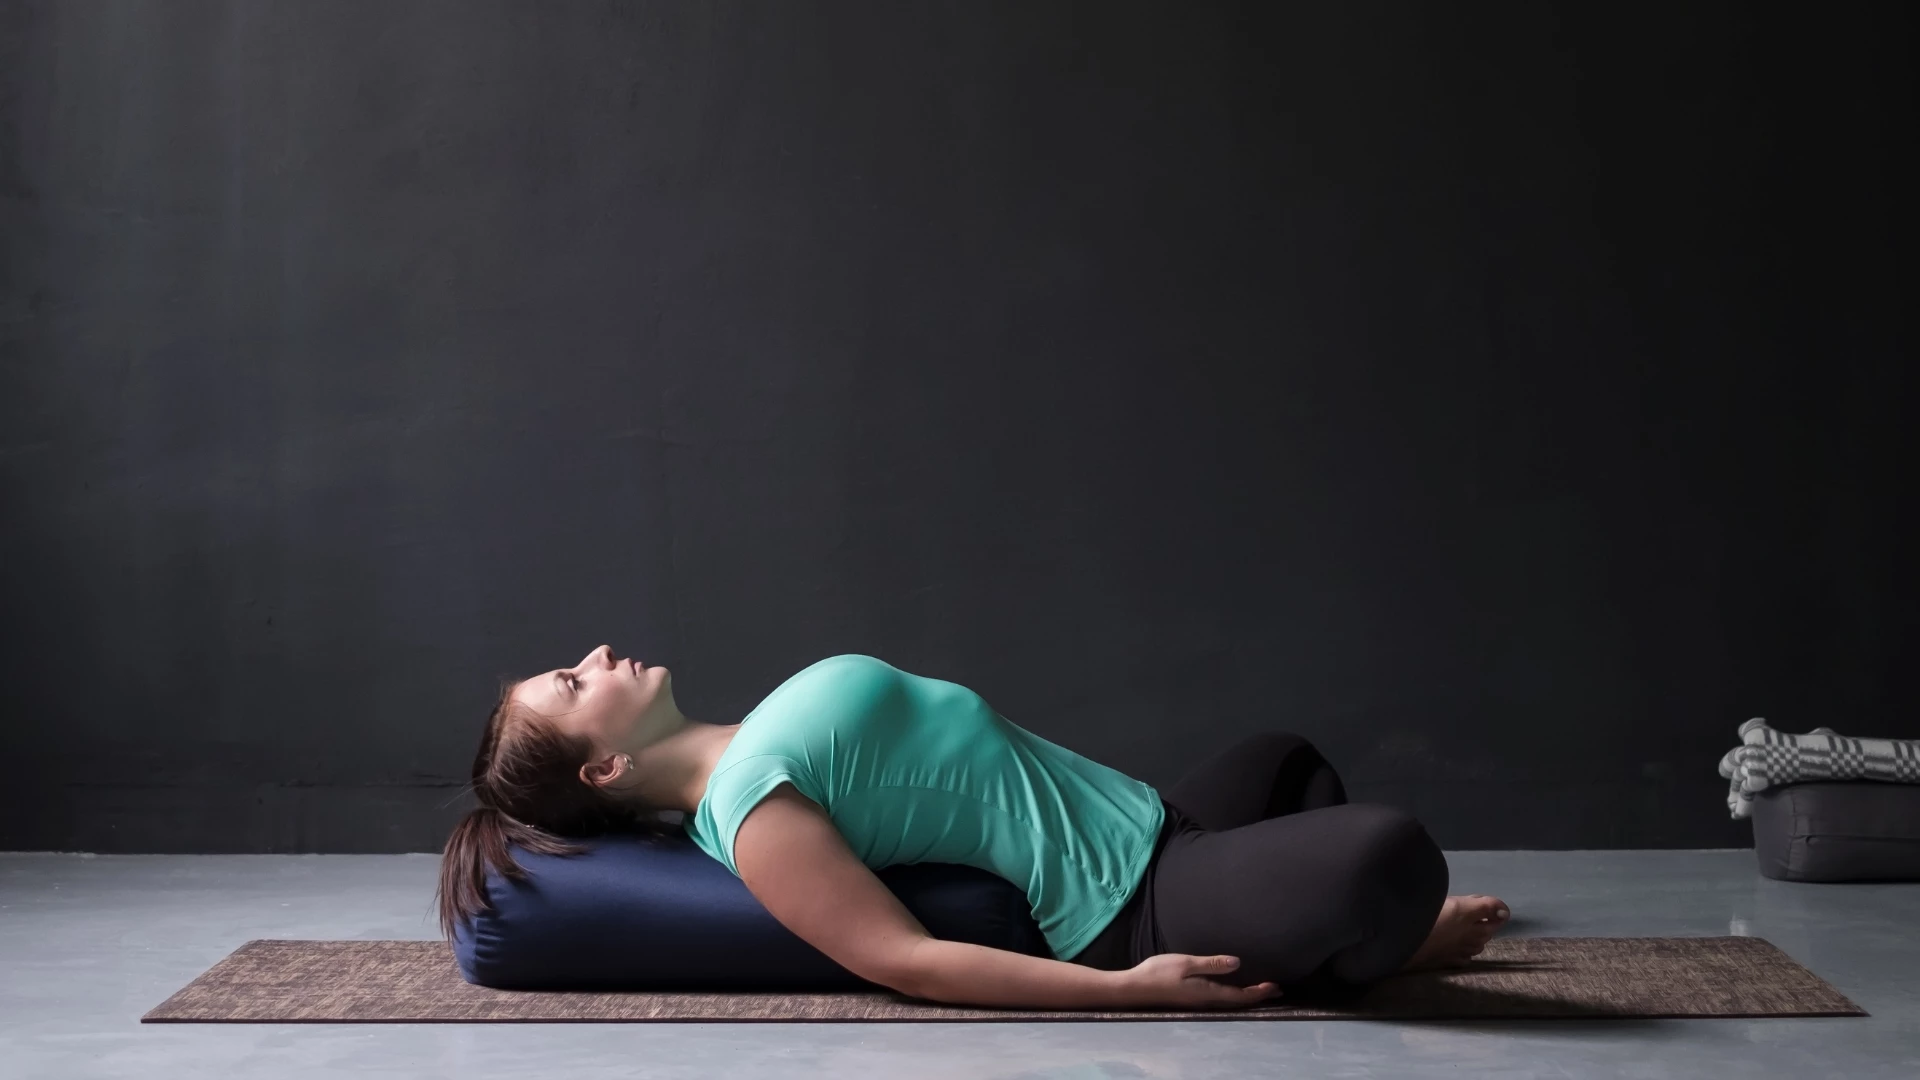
[671, 773]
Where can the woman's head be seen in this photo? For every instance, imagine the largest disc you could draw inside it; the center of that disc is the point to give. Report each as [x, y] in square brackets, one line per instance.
[620, 706]
[553, 746]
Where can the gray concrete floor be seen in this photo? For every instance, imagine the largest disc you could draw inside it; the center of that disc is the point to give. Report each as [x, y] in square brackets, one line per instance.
[89, 943]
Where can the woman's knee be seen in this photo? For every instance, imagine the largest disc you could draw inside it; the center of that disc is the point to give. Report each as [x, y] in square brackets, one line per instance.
[1393, 852]
[1269, 774]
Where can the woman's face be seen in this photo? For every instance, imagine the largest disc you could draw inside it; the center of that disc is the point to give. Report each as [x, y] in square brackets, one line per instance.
[619, 704]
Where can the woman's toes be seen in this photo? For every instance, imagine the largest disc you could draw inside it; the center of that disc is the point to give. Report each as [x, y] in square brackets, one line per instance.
[1483, 908]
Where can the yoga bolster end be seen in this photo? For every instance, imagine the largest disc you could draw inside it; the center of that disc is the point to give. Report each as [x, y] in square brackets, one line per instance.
[645, 913]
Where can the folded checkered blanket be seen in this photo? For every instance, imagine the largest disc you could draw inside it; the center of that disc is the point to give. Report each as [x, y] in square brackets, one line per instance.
[1767, 758]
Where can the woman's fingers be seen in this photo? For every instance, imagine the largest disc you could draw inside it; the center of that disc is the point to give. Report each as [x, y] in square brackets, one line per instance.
[1225, 993]
[1244, 995]
[1212, 965]
[1261, 991]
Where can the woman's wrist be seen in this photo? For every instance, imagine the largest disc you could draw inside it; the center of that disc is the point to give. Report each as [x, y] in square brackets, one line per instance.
[1122, 990]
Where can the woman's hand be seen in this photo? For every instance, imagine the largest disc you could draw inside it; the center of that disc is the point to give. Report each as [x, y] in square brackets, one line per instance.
[1176, 980]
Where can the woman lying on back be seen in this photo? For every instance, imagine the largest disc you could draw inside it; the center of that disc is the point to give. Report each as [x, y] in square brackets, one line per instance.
[1253, 875]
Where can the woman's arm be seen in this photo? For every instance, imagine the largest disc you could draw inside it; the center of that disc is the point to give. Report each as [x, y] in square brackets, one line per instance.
[798, 865]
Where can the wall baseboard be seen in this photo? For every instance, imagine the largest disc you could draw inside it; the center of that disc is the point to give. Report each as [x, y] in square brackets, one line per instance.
[197, 819]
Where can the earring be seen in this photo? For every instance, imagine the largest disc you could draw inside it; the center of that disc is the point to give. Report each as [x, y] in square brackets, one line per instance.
[628, 758]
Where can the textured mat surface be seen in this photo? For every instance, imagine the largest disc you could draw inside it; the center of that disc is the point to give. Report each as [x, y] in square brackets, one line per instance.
[417, 982]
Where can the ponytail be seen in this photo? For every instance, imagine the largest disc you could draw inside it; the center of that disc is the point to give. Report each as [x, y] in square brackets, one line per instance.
[483, 842]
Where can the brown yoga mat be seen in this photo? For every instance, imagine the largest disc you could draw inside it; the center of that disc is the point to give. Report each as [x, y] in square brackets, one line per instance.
[417, 982]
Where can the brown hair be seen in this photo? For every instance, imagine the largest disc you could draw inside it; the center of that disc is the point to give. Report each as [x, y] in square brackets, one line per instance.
[527, 779]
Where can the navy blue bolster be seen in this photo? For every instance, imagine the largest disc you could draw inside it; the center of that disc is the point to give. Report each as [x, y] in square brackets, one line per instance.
[658, 913]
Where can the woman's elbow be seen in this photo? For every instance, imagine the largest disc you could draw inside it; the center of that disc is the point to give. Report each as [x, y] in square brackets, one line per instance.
[907, 971]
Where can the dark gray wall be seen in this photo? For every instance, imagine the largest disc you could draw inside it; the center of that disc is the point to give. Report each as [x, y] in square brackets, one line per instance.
[1509, 399]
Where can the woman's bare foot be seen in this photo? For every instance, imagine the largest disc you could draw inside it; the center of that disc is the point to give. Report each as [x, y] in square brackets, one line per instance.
[1465, 925]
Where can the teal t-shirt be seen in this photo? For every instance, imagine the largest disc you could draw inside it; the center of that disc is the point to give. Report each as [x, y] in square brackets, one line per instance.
[913, 769]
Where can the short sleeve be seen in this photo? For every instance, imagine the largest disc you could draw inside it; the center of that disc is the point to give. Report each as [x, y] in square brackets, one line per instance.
[736, 790]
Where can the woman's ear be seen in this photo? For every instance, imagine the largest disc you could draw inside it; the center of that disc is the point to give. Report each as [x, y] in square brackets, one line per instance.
[602, 771]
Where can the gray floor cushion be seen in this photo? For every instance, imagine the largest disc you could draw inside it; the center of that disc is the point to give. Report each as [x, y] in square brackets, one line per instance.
[1859, 830]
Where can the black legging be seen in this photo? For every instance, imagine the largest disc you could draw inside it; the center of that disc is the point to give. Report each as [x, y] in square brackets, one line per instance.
[1264, 858]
